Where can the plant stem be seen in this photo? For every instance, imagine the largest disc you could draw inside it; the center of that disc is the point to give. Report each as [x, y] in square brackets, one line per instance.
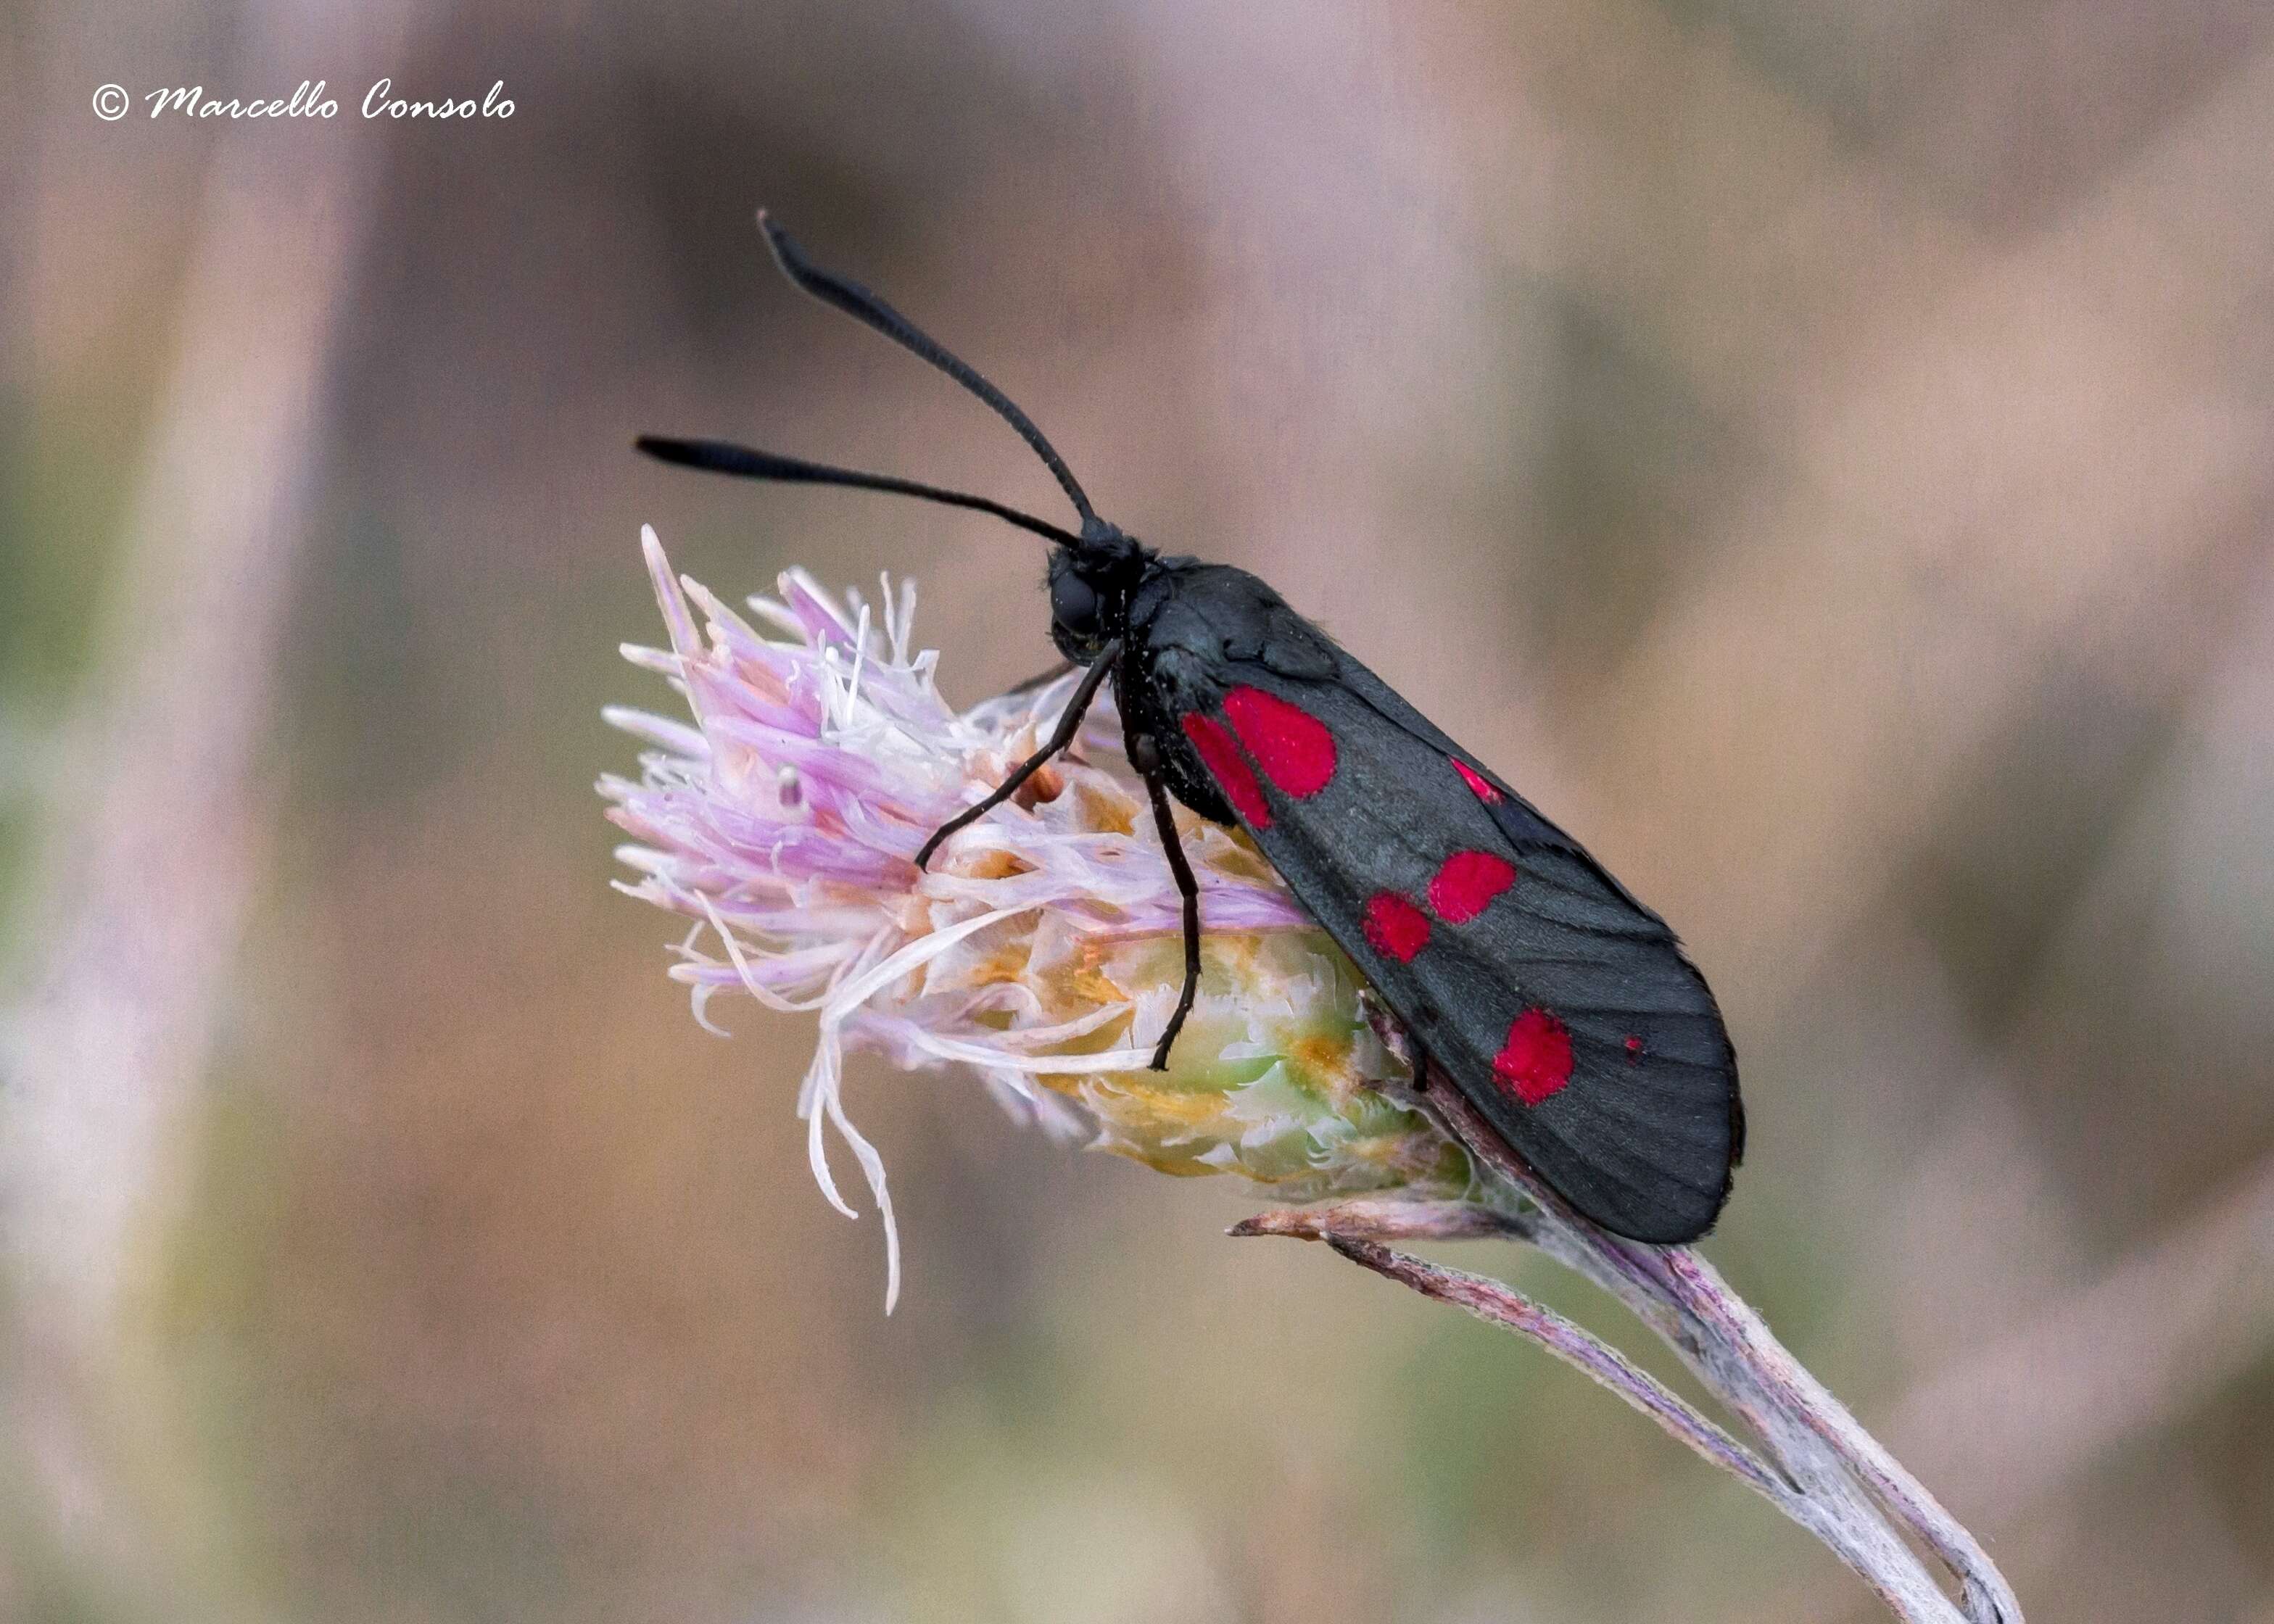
[1812, 1459]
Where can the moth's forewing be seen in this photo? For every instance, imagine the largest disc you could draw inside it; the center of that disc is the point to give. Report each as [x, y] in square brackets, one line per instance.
[1564, 1010]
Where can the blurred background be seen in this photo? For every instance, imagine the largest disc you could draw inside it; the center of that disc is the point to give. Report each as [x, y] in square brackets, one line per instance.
[1821, 451]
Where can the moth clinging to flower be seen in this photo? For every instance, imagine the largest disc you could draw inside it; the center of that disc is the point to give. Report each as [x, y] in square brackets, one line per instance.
[1563, 1009]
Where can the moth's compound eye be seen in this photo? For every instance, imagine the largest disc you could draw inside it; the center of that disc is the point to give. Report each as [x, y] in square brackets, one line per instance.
[1073, 605]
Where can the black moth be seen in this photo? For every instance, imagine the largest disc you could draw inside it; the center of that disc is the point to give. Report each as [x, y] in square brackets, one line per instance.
[1563, 1008]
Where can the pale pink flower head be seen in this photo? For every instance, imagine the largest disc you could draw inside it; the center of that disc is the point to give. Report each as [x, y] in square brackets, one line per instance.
[1042, 948]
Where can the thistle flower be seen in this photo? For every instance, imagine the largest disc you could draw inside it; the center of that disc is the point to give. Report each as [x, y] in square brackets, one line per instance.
[1042, 947]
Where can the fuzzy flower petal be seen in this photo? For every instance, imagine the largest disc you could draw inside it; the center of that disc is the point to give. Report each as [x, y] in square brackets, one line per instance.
[1042, 949]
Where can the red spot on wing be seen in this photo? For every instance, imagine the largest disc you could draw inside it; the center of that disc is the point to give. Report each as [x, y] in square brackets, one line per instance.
[1536, 1062]
[1227, 767]
[1466, 883]
[1293, 746]
[1634, 1048]
[1395, 926]
[1485, 793]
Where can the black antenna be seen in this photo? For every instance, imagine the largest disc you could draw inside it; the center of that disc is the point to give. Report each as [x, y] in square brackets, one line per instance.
[865, 307]
[718, 457]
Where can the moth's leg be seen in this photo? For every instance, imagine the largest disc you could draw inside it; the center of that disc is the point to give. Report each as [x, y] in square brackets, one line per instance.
[1069, 724]
[1033, 683]
[1144, 749]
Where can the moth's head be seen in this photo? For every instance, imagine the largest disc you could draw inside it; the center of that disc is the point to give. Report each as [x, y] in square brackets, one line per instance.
[1092, 581]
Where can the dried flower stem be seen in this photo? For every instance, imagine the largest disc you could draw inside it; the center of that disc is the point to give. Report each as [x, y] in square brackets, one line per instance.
[1822, 1469]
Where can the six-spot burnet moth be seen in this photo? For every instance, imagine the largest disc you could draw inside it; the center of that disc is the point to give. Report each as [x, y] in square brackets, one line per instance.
[1563, 1009]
